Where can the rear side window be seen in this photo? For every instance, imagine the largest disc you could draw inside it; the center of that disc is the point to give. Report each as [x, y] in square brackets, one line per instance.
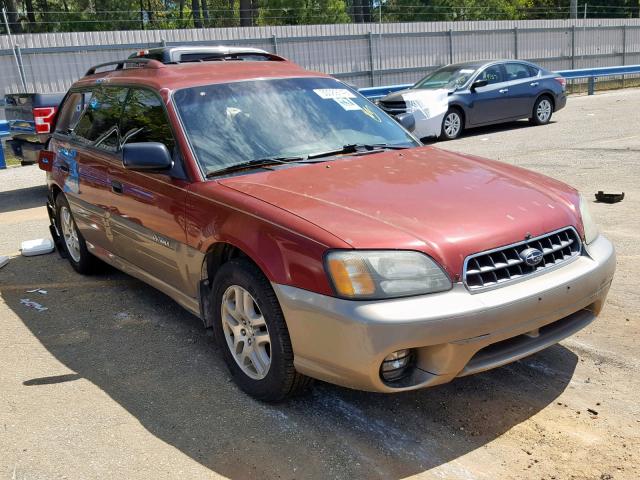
[144, 119]
[71, 111]
[98, 125]
[517, 71]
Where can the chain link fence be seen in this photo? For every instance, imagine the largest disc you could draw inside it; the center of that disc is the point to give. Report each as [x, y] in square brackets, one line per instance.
[361, 54]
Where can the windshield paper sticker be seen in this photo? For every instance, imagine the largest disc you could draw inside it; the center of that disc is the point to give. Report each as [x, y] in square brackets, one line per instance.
[333, 93]
[347, 104]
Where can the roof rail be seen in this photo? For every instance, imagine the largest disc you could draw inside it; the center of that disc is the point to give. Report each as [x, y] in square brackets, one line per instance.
[120, 64]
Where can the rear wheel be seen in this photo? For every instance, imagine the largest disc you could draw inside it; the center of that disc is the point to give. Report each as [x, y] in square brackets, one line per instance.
[542, 111]
[75, 248]
[250, 330]
[452, 125]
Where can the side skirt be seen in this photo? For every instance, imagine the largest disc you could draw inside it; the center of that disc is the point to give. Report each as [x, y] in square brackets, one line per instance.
[191, 304]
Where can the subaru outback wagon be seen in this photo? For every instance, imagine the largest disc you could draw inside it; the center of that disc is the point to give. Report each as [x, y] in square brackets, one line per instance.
[312, 232]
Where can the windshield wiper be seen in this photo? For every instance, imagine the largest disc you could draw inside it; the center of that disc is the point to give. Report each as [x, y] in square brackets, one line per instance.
[265, 162]
[358, 148]
[256, 163]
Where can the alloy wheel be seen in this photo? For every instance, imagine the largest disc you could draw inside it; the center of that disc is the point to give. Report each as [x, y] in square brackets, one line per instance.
[70, 234]
[452, 124]
[543, 112]
[246, 333]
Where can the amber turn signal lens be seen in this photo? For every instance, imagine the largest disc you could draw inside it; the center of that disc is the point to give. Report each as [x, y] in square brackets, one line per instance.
[381, 274]
[351, 277]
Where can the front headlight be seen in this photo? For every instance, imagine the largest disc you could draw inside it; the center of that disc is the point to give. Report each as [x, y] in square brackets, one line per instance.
[378, 274]
[590, 227]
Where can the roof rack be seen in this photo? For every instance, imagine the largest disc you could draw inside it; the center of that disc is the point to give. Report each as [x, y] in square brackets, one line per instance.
[233, 56]
[120, 64]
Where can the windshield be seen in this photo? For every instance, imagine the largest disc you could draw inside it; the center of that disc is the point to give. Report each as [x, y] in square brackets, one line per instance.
[448, 77]
[232, 123]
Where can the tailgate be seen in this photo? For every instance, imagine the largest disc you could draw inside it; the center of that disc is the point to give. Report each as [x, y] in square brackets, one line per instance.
[18, 111]
[29, 114]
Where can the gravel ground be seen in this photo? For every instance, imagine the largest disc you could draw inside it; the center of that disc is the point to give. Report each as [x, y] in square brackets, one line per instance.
[115, 380]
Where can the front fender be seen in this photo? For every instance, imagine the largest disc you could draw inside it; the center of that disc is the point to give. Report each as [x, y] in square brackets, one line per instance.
[288, 249]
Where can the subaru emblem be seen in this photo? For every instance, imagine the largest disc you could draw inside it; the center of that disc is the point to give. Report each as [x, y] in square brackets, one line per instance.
[531, 256]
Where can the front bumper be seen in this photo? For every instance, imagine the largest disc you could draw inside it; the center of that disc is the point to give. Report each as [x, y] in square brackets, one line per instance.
[454, 333]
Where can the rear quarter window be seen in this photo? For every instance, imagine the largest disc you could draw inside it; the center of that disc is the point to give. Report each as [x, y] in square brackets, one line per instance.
[71, 111]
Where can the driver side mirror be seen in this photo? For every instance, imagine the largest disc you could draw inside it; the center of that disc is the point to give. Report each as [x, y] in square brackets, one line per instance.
[146, 156]
[478, 84]
[407, 120]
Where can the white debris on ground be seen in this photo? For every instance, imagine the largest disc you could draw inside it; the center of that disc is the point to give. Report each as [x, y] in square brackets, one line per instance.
[39, 246]
[31, 304]
[39, 290]
[3, 261]
[428, 108]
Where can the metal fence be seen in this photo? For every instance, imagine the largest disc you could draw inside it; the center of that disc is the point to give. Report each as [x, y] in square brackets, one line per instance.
[362, 54]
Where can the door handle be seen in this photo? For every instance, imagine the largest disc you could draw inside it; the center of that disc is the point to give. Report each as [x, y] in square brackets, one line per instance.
[534, 84]
[116, 187]
[64, 167]
[503, 90]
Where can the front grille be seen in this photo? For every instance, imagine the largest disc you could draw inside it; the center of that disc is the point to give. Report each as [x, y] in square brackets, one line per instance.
[393, 108]
[502, 265]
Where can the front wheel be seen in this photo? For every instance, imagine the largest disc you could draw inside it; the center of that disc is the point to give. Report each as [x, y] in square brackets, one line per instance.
[542, 111]
[451, 125]
[250, 330]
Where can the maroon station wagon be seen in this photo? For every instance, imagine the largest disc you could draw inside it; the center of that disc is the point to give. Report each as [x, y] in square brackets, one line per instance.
[311, 231]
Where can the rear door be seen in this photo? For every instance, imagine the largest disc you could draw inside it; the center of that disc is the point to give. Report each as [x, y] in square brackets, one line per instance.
[523, 88]
[83, 147]
[149, 208]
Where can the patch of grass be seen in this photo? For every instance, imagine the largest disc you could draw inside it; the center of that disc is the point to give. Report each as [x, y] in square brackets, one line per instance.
[605, 83]
[9, 158]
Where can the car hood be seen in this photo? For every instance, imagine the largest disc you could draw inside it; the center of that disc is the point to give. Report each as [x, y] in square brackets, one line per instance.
[398, 96]
[445, 204]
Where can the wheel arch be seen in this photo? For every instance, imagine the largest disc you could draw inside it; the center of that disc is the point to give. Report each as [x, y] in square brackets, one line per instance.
[549, 95]
[460, 109]
[55, 191]
[217, 254]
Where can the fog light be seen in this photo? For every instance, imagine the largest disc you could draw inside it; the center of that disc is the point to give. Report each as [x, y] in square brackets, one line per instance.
[396, 365]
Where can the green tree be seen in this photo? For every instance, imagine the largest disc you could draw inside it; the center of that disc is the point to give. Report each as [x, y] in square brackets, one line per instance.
[291, 12]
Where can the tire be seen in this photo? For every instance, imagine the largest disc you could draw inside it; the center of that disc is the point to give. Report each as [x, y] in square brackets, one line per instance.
[542, 111]
[452, 125]
[75, 248]
[241, 332]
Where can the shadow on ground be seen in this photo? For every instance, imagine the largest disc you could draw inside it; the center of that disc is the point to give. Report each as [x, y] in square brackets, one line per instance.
[23, 198]
[155, 360]
[478, 131]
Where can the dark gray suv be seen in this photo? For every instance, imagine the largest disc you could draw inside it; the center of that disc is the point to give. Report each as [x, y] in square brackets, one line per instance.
[488, 92]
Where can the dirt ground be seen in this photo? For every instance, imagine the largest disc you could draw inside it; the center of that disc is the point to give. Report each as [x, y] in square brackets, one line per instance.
[114, 380]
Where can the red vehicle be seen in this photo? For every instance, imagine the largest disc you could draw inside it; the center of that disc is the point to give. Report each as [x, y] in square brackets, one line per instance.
[312, 232]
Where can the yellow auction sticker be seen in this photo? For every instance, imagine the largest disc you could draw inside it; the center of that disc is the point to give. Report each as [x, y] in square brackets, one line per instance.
[367, 111]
